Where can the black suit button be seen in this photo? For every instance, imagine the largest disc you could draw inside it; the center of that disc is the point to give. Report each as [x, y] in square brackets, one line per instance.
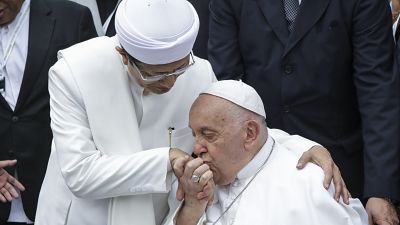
[288, 69]
[286, 109]
[14, 118]
[10, 153]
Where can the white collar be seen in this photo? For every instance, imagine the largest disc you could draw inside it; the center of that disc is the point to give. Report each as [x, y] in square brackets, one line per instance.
[251, 168]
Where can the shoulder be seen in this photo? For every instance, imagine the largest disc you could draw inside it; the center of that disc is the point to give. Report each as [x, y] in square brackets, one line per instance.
[283, 164]
[200, 73]
[65, 6]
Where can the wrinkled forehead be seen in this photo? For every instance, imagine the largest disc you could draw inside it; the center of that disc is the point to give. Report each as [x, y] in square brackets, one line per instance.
[211, 109]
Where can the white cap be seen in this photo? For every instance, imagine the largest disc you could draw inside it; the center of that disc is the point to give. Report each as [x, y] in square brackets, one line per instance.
[157, 31]
[239, 93]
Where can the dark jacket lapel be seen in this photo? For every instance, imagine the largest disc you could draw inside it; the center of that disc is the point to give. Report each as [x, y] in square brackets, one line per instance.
[41, 26]
[273, 12]
[310, 12]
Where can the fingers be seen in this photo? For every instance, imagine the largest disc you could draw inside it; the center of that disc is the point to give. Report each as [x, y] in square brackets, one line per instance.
[340, 186]
[180, 193]
[370, 221]
[2, 198]
[201, 170]
[7, 163]
[304, 159]
[16, 183]
[179, 165]
[345, 194]
[330, 172]
[6, 194]
[383, 222]
[191, 166]
[208, 188]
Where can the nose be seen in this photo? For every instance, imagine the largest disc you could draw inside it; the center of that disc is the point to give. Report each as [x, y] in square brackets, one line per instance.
[199, 149]
[168, 81]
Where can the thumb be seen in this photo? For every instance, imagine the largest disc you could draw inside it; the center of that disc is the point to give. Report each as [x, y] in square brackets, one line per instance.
[7, 163]
[305, 158]
[370, 221]
[180, 194]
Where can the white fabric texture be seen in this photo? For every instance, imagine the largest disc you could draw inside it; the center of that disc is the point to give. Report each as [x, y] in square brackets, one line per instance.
[100, 150]
[281, 194]
[93, 157]
[239, 93]
[157, 31]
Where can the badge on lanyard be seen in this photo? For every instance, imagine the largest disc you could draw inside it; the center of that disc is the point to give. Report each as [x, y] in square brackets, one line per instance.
[2, 85]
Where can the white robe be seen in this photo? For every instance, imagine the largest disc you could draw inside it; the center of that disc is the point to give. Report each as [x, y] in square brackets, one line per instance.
[102, 150]
[280, 195]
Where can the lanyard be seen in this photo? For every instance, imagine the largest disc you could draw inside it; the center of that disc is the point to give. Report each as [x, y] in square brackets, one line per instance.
[107, 22]
[9, 48]
[14, 35]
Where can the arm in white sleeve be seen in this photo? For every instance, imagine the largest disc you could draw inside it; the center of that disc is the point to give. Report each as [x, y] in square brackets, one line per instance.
[88, 172]
[294, 143]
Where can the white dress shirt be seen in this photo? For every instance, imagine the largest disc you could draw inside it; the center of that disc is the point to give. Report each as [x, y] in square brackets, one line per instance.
[15, 66]
[13, 73]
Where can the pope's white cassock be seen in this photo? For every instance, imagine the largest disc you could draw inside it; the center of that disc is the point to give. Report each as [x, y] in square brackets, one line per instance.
[109, 163]
[279, 194]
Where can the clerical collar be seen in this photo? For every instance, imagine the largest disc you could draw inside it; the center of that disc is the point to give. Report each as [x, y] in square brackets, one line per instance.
[257, 161]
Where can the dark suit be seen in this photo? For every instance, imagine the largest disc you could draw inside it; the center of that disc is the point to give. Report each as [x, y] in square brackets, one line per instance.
[200, 46]
[331, 80]
[25, 134]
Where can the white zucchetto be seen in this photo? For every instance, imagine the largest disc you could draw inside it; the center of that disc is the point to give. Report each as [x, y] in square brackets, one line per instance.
[239, 93]
[157, 31]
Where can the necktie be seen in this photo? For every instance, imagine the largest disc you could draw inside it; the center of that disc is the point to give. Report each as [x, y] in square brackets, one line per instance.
[291, 9]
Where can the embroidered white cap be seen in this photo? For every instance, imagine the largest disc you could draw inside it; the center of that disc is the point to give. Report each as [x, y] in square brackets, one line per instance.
[239, 93]
[157, 31]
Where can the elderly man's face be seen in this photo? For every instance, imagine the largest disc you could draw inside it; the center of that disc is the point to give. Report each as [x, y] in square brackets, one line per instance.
[219, 137]
[9, 10]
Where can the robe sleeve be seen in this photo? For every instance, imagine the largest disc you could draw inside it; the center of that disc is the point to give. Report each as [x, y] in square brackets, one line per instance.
[294, 143]
[87, 171]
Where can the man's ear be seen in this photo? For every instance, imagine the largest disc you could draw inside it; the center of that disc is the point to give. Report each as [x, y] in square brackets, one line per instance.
[252, 133]
[124, 55]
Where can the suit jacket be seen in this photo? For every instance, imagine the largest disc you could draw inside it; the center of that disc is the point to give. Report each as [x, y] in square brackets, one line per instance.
[94, 9]
[25, 133]
[92, 5]
[200, 46]
[331, 80]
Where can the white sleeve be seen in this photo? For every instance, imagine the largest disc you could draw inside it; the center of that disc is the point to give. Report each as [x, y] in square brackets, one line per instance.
[88, 172]
[294, 143]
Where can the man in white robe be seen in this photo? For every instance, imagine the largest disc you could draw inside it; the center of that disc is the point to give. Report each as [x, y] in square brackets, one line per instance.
[119, 115]
[256, 178]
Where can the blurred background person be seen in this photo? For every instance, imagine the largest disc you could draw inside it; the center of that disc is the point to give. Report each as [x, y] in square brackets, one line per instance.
[31, 33]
